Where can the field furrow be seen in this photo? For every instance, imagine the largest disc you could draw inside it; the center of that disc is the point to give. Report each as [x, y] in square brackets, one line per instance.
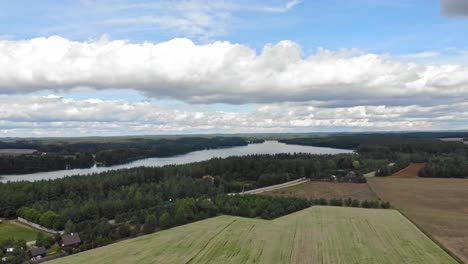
[328, 235]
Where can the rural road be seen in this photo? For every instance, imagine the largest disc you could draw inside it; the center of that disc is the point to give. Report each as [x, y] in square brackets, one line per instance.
[372, 173]
[273, 187]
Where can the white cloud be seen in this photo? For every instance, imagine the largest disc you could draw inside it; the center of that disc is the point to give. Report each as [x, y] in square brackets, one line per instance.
[7, 37]
[422, 55]
[227, 72]
[198, 19]
[281, 9]
[59, 116]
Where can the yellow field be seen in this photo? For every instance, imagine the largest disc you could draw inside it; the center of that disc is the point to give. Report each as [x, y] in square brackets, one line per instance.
[331, 235]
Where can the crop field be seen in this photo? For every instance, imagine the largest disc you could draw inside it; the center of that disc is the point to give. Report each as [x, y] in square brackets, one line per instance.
[412, 171]
[315, 235]
[438, 206]
[13, 152]
[327, 190]
[17, 231]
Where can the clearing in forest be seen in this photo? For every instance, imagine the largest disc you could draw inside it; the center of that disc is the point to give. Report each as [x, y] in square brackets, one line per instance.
[16, 230]
[439, 206]
[327, 190]
[412, 171]
[314, 235]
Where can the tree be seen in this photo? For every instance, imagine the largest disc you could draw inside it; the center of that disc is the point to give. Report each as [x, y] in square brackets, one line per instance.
[365, 204]
[44, 241]
[69, 227]
[40, 239]
[150, 224]
[165, 220]
[181, 216]
[124, 230]
[356, 164]
[385, 205]
[49, 219]
[331, 164]
[348, 202]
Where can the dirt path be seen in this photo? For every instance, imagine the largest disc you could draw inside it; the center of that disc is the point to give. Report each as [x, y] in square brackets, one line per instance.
[274, 187]
[372, 173]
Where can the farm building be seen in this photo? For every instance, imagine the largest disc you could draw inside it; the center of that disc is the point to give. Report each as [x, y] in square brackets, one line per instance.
[71, 240]
[37, 253]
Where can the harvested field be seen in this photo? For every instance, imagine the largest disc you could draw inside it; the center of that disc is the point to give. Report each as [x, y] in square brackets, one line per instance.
[438, 206]
[315, 235]
[409, 172]
[14, 152]
[327, 190]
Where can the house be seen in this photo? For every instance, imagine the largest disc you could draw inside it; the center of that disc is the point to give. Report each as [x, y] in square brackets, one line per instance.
[208, 178]
[71, 240]
[9, 250]
[37, 253]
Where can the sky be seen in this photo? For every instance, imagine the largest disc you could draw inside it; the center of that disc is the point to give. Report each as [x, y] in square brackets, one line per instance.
[141, 67]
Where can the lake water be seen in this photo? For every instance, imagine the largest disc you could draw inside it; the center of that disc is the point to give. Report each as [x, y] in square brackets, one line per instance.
[267, 147]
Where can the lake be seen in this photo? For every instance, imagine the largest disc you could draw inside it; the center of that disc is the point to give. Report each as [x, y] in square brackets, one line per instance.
[267, 147]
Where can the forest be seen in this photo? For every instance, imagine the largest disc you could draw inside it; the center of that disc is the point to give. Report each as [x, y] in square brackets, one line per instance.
[446, 166]
[30, 163]
[60, 156]
[144, 200]
[442, 158]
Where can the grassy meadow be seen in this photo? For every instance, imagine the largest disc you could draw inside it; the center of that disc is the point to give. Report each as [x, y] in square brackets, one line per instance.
[17, 231]
[315, 235]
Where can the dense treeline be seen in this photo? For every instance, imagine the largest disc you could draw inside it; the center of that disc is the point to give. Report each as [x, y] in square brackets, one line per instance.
[60, 156]
[144, 200]
[383, 145]
[78, 197]
[266, 207]
[26, 163]
[443, 158]
[403, 161]
[446, 166]
[118, 153]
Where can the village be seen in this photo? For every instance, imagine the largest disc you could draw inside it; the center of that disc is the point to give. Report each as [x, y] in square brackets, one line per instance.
[42, 244]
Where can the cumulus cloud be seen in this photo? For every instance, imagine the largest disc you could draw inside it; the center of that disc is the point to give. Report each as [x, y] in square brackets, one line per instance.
[59, 116]
[226, 72]
[454, 7]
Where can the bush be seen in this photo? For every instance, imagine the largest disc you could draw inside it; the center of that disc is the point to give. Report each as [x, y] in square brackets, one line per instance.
[165, 220]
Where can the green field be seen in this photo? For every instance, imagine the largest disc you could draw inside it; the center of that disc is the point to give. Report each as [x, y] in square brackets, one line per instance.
[315, 235]
[17, 231]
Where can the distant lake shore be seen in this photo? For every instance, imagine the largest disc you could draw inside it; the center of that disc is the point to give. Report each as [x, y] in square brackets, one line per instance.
[267, 147]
